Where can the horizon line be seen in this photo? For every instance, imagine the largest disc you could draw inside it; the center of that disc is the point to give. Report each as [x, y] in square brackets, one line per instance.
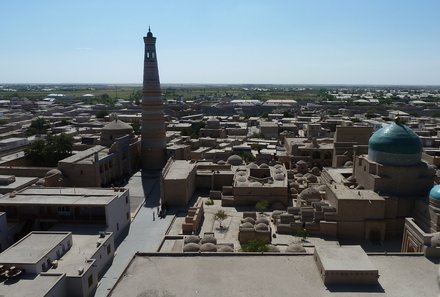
[238, 84]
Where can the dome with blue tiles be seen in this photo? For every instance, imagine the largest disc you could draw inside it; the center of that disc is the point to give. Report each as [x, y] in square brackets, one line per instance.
[396, 145]
[435, 193]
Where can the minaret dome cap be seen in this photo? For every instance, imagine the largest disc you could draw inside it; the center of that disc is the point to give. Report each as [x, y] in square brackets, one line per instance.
[149, 34]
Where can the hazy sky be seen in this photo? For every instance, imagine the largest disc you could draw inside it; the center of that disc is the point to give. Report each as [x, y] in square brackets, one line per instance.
[250, 41]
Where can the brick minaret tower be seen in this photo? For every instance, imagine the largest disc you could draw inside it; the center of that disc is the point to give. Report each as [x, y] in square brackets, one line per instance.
[153, 124]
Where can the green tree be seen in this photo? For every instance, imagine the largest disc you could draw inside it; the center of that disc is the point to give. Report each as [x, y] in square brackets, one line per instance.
[136, 124]
[256, 245]
[102, 114]
[262, 205]
[247, 157]
[65, 122]
[220, 216]
[49, 151]
[38, 126]
[136, 97]
[303, 233]
[105, 97]
[194, 130]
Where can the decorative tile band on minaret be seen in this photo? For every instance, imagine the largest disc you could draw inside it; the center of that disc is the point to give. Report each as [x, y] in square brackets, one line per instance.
[153, 123]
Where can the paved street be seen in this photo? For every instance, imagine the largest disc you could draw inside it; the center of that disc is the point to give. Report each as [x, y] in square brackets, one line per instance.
[144, 235]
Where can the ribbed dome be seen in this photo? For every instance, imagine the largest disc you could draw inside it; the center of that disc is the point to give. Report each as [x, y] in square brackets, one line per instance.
[252, 165]
[208, 239]
[241, 179]
[246, 226]
[261, 227]
[191, 239]
[208, 247]
[53, 172]
[310, 194]
[235, 160]
[279, 176]
[435, 193]
[262, 220]
[117, 125]
[395, 144]
[248, 220]
[191, 248]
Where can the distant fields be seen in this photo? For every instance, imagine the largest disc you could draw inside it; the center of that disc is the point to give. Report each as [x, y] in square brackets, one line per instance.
[171, 92]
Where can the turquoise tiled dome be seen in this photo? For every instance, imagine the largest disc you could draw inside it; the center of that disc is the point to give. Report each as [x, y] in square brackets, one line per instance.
[435, 193]
[395, 144]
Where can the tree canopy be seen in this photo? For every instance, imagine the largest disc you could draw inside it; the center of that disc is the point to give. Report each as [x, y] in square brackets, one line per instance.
[220, 216]
[38, 126]
[49, 151]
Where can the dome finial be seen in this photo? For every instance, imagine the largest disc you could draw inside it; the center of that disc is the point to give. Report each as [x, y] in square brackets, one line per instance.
[149, 30]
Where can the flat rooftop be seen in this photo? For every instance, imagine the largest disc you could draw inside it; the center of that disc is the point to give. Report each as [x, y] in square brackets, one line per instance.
[345, 258]
[62, 196]
[84, 246]
[18, 183]
[32, 248]
[87, 156]
[179, 169]
[30, 285]
[400, 276]
[345, 193]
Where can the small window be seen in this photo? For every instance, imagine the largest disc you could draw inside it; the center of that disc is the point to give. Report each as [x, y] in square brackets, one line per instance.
[109, 249]
[126, 199]
[153, 55]
[81, 172]
[128, 215]
[148, 55]
[90, 280]
[117, 226]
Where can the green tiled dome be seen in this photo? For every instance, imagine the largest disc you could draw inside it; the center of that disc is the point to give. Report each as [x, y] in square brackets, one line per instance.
[435, 193]
[395, 138]
[395, 144]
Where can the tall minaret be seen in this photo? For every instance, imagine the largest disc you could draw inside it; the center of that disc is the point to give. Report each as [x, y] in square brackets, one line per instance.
[153, 124]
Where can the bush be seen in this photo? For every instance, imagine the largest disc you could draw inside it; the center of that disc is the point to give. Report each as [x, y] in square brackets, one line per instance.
[256, 245]
[209, 202]
[303, 233]
[220, 216]
[102, 114]
[262, 205]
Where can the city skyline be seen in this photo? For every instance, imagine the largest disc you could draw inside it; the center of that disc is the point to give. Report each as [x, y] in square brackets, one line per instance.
[340, 43]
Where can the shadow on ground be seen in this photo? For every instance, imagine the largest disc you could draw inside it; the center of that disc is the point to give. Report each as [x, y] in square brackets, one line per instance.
[356, 289]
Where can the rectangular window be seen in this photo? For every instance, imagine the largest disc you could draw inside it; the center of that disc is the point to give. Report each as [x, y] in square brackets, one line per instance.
[109, 249]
